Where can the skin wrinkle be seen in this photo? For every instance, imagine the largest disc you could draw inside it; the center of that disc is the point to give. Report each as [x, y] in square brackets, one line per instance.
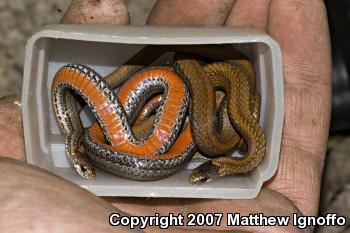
[309, 86]
[10, 124]
[291, 178]
[295, 52]
[304, 148]
[212, 12]
[95, 3]
[304, 129]
[241, 14]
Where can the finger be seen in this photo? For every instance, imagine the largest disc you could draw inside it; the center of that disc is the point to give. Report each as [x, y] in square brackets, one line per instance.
[300, 27]
[194, 12]
[35, 201]
[97, 12]
[268, 202]
[252, 13]
[11, 134]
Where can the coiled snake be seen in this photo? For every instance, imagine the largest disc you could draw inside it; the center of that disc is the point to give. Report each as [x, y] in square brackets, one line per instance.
[123, 148]
[137, 158]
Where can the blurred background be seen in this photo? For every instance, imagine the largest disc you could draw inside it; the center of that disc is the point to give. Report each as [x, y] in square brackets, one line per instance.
[19, 19]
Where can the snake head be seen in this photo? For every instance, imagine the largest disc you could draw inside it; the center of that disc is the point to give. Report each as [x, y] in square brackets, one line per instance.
[204, 173]
[85, 170]
[81, 165]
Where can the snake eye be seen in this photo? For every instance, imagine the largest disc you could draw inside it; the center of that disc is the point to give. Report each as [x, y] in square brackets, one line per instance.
[200, 180]
[88, 173]
[196, 178]
[204, 179]
[85, 171]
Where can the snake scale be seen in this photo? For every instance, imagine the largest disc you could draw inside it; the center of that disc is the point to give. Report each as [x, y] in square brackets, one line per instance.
[131, 142]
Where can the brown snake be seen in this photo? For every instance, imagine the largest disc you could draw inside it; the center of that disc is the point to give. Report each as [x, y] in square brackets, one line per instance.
[240, 114]
[211, 139]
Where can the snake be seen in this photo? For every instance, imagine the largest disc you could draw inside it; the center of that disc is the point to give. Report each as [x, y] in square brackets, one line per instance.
[244, 120]
[123, 164]
[136, 155]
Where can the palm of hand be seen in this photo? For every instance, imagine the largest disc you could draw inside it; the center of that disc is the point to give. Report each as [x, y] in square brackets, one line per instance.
[302, 32]
[300, 27]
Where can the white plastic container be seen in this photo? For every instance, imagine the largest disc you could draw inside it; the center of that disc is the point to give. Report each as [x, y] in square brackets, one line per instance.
[104, 48]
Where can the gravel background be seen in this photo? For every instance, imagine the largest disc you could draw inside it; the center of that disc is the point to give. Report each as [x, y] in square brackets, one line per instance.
[19, 19]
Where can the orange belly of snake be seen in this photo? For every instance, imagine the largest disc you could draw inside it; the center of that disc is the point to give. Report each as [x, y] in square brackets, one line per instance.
[169, 142]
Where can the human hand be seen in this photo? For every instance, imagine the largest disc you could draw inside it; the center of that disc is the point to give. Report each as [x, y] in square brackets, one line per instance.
[300, 27]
